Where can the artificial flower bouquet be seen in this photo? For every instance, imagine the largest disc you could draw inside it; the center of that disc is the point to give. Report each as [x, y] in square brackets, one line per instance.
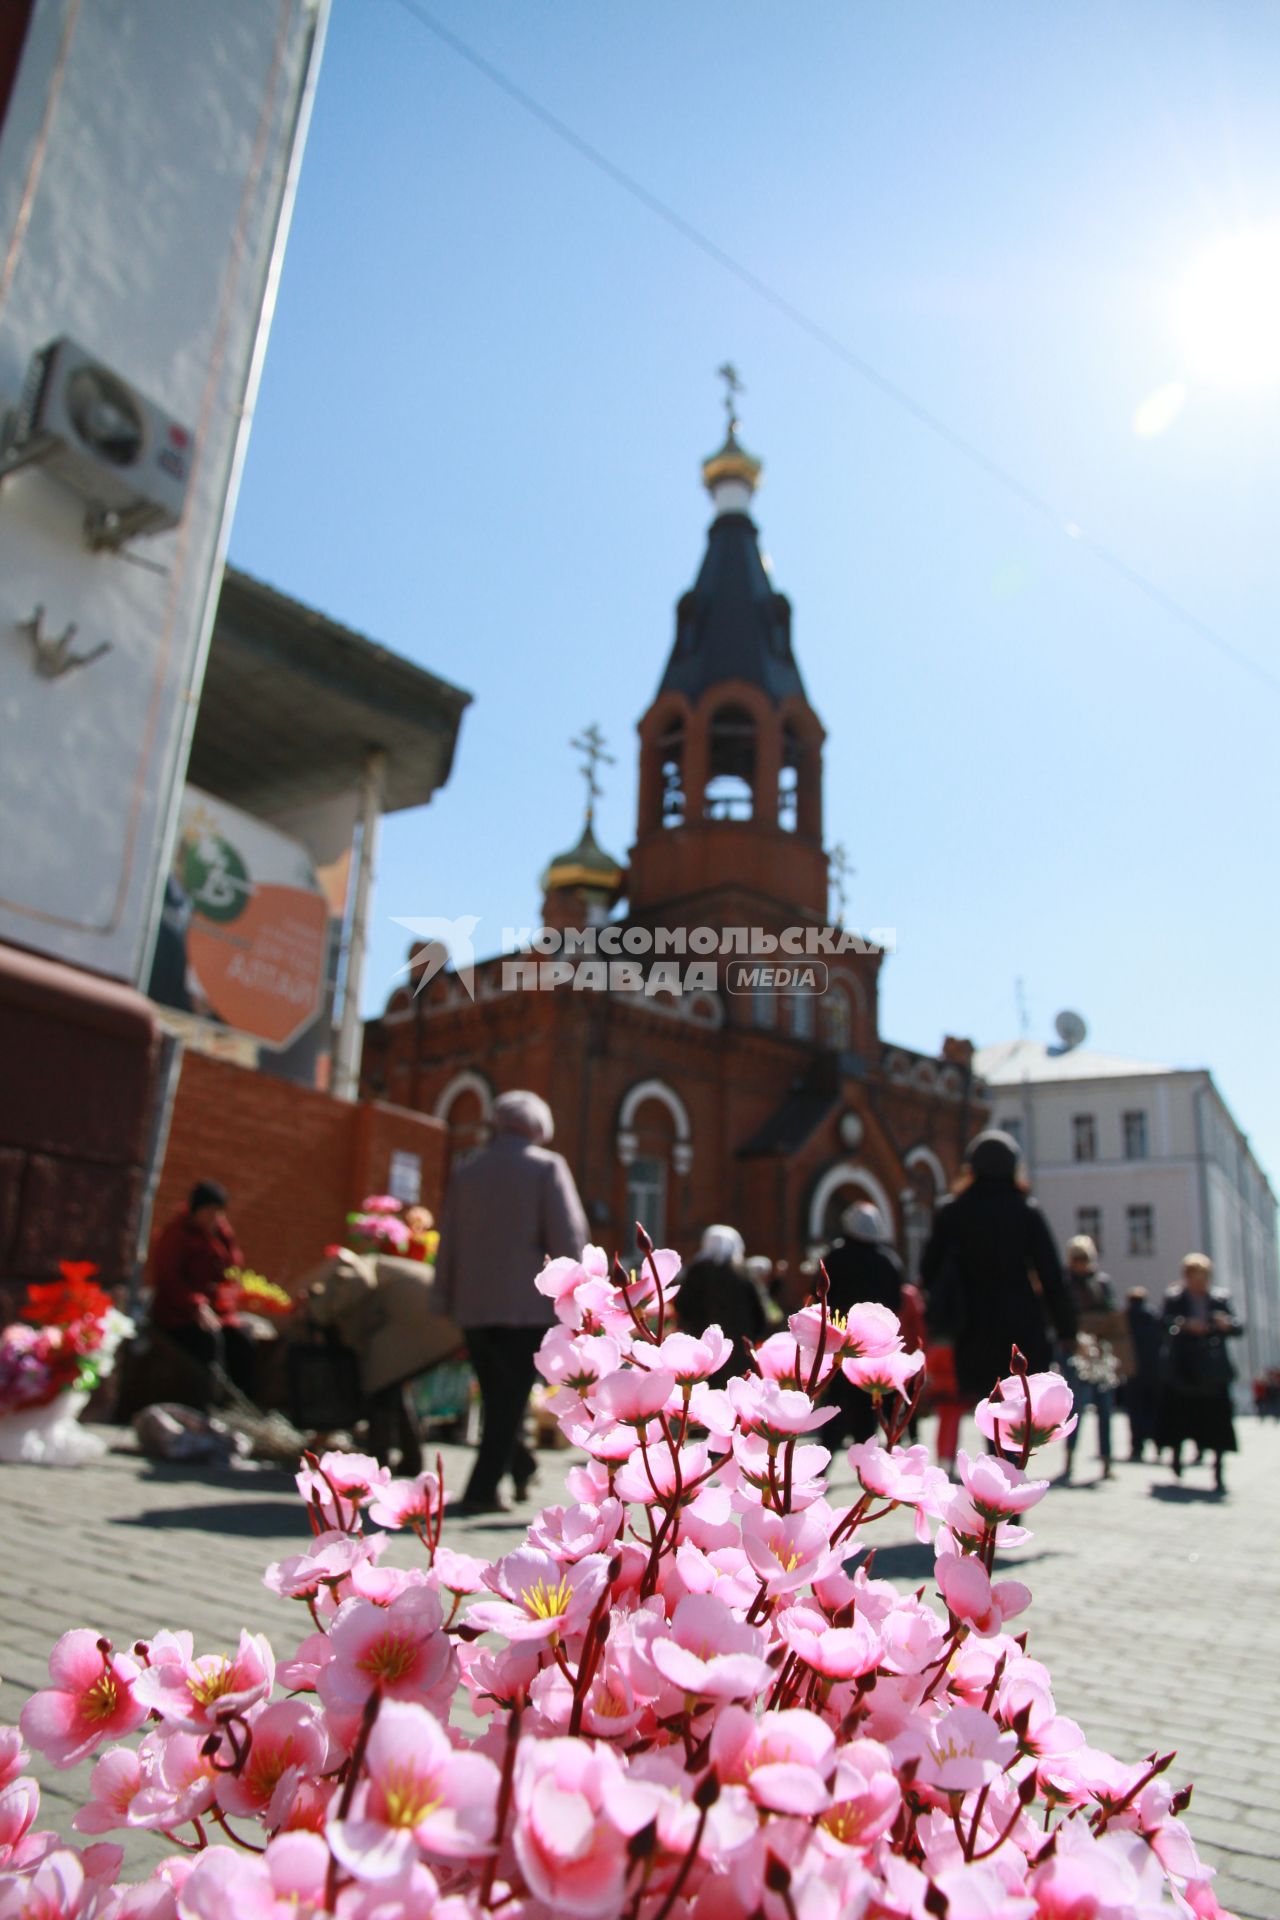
[256, 1294]
[382, 1224]
[66, 1339]
[695, 1699]
[51, 1359]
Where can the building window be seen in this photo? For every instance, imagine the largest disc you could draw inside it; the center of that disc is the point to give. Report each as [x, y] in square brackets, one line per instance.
[1012, 1125]
[1089, 1220]
[802, 1016]
[1142, 1231]
[1084, 1137]
[764, 1007]
[836, 1024]
[647, 1200]
[1135, 1136]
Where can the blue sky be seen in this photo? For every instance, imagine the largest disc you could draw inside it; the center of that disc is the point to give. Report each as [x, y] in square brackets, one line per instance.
[491, 381]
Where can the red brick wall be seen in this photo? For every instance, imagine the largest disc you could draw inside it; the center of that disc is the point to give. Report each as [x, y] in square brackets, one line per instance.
[293, 1160]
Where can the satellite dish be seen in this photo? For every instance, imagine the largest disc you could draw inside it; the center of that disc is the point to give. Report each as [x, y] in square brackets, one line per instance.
[1070, 1029]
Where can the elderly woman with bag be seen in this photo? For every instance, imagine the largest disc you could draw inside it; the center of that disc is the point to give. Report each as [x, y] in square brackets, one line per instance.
[1195, 1398]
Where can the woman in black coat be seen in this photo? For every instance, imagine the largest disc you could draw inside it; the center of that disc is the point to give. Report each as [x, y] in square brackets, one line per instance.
[1195, 1399]
[991, 1273]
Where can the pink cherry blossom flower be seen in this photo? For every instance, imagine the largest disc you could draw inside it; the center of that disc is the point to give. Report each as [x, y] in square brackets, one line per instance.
[13, 1755]
[837, 1653]
[285, 1883]
[197, 1694]
[974, 1598]
[1093, 1878]
[575, 1361]
[93, 1698]
[725, 1571]
[868, 1329]
[571, 1533]
[691, 1358]
[572, 1853]
[964, 1748]
[457, 1573]
[708, 1653]
[646, 1478]
[633, 1396]
[865, 1795]
[19, 1805]
[790, 1550]
[996, 1487]
[400, 1649]
[417, 1791]
[114, 1784]
[757, 1463]
[538, 1598]
[560, 1279]
[1003, 1416]
[782, 1759]
[178, 1779]
[763, 1407]
[406, 1503]
[974, 1890]
[55, 1890]
[287, 1742]
[328, 1561]
[353, 1476]
[879, 1373]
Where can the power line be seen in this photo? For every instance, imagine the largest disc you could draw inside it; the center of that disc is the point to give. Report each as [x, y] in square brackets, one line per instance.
[924, 416]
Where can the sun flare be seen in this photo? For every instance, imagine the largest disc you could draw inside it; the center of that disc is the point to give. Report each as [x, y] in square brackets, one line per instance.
[1228, 311]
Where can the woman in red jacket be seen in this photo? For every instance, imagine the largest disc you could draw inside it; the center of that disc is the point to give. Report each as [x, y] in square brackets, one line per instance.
[193, 1302]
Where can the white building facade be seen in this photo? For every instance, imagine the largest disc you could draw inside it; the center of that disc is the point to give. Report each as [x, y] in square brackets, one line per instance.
[1149, 1162]
[148, 155]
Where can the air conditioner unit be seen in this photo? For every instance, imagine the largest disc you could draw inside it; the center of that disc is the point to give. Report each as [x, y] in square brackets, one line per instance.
[103, 440]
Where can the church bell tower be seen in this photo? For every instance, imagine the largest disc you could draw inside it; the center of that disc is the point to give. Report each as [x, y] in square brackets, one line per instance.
[730, 749]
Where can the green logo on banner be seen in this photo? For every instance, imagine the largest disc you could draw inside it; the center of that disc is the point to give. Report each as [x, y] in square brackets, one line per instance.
[215, 878]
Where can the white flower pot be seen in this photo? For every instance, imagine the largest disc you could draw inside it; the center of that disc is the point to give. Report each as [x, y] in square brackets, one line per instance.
[51, 1435]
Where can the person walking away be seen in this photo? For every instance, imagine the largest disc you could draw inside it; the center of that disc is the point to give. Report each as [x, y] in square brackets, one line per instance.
[509, 1208]
[1195, 1399]
[716, 1290]
[1098, 1361]
[990, 1271]
[1140, 1393]
[193, 1301]
[860, 1266]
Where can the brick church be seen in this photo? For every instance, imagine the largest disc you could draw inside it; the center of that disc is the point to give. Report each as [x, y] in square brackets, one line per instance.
[771, 1110]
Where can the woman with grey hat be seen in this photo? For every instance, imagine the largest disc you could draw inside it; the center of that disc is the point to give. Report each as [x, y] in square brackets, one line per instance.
[991, 1273]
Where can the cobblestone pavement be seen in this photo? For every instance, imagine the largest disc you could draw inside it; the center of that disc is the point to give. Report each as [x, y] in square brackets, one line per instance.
[1156, 1607]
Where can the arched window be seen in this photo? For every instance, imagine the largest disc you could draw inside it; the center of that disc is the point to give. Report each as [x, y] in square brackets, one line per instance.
[654, 1144]
[731, 765]
[926, 1183]
[837, 1021]
[671, 772]
[802, 1016]
[464, 1106]
[789, 780]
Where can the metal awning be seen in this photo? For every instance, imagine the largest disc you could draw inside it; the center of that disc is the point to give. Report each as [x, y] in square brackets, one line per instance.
[293, 702]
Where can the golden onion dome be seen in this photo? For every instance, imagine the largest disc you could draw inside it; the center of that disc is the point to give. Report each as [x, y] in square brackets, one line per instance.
[585, 865]
[731, 462]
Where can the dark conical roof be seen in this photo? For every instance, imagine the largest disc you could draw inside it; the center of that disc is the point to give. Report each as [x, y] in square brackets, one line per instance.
[733, 625]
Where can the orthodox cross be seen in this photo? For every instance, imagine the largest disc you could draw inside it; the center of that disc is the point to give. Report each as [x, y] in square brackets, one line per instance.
[840, 872]
[591, 744]
[732, 388]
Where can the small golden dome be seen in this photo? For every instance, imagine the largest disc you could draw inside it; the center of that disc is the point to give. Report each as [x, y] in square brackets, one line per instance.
[732, 462]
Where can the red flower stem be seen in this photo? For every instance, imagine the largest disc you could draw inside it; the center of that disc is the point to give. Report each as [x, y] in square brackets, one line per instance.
[684, 1869]
[504, 1805]
[354, 1765]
